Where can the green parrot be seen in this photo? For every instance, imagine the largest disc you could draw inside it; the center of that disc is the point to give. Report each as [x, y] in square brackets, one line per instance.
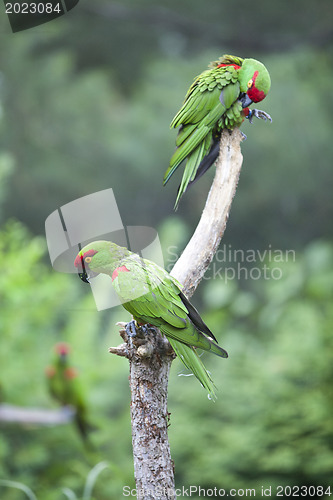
[153, 297]
[218, 99]
[63, 387]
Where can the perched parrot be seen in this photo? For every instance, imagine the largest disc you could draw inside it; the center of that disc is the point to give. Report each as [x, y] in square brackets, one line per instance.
[153, 297]
[218, 99]
[63, 387]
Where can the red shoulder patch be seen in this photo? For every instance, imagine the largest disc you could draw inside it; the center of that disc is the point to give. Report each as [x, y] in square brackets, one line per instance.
[122, 269]
[70, 373]
[231, 64]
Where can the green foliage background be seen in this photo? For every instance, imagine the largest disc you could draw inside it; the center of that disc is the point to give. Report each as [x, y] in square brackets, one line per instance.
[85, 104]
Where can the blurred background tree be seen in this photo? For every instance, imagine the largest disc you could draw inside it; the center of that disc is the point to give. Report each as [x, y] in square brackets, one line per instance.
[85, 104]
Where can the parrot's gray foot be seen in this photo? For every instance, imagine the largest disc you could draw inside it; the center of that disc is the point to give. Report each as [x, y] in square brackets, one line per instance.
[258, 113]
[131, 332]
[244, 137]
[131, 328]
[145, 328]
[136, 332]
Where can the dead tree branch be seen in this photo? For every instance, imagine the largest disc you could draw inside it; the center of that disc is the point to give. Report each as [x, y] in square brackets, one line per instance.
[200, 250]
[150, 357]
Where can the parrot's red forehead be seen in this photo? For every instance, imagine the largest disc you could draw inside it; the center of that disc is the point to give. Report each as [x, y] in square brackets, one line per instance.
[79, 258]
[62, 348]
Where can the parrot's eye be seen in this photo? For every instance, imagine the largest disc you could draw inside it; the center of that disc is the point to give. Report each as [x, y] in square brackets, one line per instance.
[250, 83]
[87, 260]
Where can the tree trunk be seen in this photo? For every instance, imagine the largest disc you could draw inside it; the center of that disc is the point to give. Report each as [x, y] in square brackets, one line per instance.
[149, 376]
[151, 355]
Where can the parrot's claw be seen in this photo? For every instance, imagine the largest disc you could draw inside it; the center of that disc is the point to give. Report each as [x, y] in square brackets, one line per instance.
[136, 331]
[258, 113]
[131, 328]
[144, 329]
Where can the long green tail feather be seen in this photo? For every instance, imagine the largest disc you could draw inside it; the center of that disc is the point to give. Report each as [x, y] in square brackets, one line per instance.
[191, 167]
[192, 361]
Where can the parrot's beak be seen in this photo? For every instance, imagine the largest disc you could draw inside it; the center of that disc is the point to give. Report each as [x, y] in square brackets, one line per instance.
[86, 277]
[245, 100]
[84, 272]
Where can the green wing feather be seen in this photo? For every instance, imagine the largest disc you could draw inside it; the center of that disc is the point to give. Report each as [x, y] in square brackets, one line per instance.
[197, 117]
[208, 99]
[152, 296]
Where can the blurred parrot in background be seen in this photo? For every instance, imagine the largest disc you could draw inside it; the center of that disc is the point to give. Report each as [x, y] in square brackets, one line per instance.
[218, 99]
[153, 297]
[63, 387]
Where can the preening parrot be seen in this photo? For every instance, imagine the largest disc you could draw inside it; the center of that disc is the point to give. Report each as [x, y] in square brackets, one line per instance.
[153, 297]
[218, 99]
[64, 388]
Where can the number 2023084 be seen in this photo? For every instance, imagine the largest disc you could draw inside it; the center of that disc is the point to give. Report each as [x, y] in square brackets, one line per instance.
[32, 8]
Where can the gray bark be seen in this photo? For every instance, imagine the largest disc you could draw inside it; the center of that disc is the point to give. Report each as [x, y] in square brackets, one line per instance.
[150, 356]
[149, 415]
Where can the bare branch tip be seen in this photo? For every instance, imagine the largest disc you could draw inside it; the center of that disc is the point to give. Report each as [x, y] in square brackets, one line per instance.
[122, 324]
[120, 350]
[122, 330]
